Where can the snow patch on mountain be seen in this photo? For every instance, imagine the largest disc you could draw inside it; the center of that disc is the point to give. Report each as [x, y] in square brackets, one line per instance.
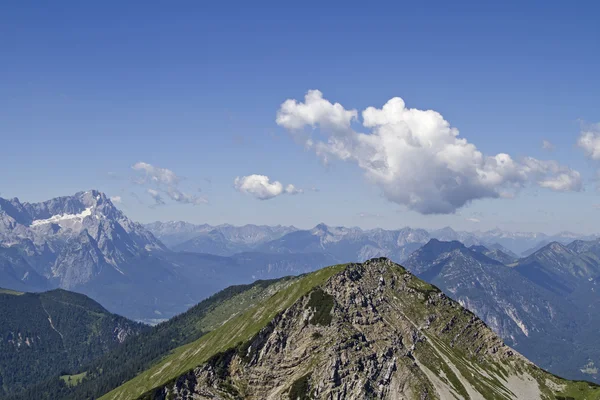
[64, 220]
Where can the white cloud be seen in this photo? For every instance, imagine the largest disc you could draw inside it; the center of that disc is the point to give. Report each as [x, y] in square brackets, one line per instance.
[474, 220]
[550, 174]
[415, 156]
[164, 182]
[116, 199]
[291, 189]
[158, 200]
[314, 111]
[547, 145]
[156, 174]
[181, 197]
[261, 187]
[589, 141]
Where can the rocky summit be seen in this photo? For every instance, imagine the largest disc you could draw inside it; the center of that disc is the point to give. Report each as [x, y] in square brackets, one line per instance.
[355, 331]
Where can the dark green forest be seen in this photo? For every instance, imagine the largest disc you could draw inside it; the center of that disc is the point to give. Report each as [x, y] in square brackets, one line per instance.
[54, 333]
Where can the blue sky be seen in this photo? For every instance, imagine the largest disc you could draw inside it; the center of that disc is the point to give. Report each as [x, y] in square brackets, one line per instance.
[89, 90]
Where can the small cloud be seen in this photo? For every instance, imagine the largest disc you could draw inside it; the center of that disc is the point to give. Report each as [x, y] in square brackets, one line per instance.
[164, 182]
[116, 199]
[315, 189]
[589, 141]
[185, 198]
[547, 145]
[291, 189]
[596, 206]
[261, 187]
[158, 200]
[157, 174]
[474, 220]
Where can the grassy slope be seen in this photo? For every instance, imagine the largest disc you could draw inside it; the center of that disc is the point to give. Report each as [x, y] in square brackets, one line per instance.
[73, 380]
[238, 329]
[8, 291]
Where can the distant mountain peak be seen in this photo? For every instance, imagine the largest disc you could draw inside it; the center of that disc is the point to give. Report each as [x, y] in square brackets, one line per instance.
[321, 226]
[73, 238]
[479, 248]
[554, 247]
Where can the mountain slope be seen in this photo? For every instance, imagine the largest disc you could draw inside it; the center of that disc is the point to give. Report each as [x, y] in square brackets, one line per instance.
[368, 330]
[140, 352]
[495, 254]
[512, 306]
[558, 268]
[42, 334]
[16, 273]
[239, 328]
[553, 331]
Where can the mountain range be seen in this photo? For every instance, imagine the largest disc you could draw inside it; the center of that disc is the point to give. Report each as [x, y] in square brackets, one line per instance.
[537, 304]
[347, 244]
[84, 243]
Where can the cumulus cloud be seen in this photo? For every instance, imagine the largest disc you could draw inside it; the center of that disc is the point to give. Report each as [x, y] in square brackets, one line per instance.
[415, 156]
[164, 182]
[261, 187]
[116, 199]
[547, 145]
[589, 141]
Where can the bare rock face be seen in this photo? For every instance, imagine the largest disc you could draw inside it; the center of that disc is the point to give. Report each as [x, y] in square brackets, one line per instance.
[372, 331]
